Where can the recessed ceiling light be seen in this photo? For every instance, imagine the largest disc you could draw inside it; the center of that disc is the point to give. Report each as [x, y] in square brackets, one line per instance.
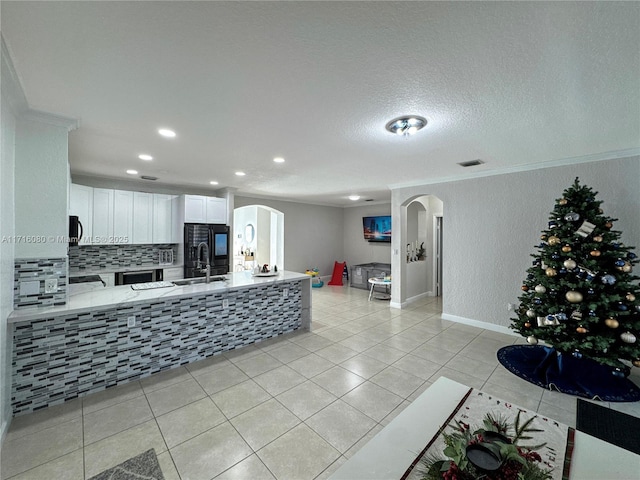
[132, 172]
[144, 156]
[278, 160]
[240, 174]
[406, 125]
[165, 132]
[354, 197]
[213, 182]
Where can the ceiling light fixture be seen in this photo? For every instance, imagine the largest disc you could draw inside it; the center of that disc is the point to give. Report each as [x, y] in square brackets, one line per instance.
[240, 174]
[278, 160]
[406, 125]
[144, 156]
[354, 197]
[132, 172]
[213, 182]
[165, 132]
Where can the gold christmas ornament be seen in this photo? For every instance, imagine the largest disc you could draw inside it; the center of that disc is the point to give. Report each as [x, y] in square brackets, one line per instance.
[550, 272]
[570, 264]
[524, 288]
[608, 224]
[594, 253]
[527, 324]
[553, 240]
[636, 362]
[543, 237]
[611, 323]
[627, 268]
[540, 289]
[628, 337]
[600, 210]
[597, 238]
[566, 249]
[563, 201]
[532, 340]
[573, 296]
[581, 329]
[630, 296]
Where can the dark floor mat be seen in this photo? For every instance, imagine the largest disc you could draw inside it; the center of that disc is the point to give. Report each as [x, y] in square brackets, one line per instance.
[609, 425]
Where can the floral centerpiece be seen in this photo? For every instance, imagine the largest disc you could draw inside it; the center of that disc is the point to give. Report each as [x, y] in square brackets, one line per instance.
[492, 452]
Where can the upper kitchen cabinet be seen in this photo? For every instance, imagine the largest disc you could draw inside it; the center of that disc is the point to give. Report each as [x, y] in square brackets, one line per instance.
[163, 231]
[142, 217]
[81, 205]
[102, 216]
[123, 217]
[216, 210]
[200, 209]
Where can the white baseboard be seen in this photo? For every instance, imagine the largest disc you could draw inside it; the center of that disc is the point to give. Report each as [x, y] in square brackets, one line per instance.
[477, 323]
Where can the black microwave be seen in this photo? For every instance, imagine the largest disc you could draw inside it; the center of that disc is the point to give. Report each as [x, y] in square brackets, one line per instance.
[138, 276]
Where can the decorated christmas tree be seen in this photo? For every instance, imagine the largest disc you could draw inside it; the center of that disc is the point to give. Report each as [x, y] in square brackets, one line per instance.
[580, 295]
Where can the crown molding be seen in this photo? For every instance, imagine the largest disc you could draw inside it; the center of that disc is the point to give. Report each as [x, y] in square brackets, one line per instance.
[594, 157]
[51, 119]
[12, 91]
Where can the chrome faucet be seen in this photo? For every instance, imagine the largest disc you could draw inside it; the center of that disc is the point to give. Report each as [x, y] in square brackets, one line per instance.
[207, 269]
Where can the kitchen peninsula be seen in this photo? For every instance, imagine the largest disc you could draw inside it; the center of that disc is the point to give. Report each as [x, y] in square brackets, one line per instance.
[111, 336]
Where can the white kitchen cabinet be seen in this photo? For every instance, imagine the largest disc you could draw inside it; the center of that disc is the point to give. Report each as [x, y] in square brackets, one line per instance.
[123, 217]
[195, 209]
[81, 205]
[142, 218]
[177, 225]
[200, 209]
[216, 210]
[162, 218]
[103, 210]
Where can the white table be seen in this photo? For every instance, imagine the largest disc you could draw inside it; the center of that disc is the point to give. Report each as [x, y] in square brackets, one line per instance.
[388, 455]
[379, 281]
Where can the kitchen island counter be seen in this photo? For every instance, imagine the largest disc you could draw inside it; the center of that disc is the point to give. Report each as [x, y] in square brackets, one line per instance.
[114, 335]
[115, 297]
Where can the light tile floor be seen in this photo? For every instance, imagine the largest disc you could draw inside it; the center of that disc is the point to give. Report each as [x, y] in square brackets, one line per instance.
[296, 407]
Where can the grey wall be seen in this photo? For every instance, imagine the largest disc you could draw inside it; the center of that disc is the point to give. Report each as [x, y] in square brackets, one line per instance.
[356, 249]
[313, 235]
[493, 223]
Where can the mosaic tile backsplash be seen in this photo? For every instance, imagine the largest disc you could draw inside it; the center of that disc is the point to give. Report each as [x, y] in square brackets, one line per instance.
[115, 256]
[58, 359]
[27, 270]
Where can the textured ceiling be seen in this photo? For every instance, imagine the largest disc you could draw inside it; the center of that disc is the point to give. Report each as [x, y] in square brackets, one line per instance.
[511, 83]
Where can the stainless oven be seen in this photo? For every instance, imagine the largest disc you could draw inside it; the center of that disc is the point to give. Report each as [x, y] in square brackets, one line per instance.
[138, 276]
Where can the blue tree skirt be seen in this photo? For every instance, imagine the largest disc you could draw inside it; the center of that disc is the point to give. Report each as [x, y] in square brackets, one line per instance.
[583, 377]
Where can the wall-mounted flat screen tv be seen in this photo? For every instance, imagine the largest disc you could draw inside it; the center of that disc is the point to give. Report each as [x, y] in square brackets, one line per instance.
[377, 229]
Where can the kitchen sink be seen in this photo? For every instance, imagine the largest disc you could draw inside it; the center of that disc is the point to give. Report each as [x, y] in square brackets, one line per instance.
[194, 281]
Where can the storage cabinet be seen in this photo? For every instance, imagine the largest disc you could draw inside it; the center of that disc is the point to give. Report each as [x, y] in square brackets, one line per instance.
[81, 205]
[199, 209]
[142, 218]
[360, 274]
[162, 218]
[102, 216]
[216, 210]
[123, 216]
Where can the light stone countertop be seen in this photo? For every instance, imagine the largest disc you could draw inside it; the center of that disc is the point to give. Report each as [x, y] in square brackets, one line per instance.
[112, 297]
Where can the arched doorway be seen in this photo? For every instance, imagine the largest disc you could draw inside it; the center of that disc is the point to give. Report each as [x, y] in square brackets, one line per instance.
[258, 237]
[420, 259]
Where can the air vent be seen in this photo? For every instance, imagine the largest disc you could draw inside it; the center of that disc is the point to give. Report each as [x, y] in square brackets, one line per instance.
[369, 200]
[471, 163]
[147, 177]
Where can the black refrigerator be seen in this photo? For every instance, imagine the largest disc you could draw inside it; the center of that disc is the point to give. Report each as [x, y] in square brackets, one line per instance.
[217, 240]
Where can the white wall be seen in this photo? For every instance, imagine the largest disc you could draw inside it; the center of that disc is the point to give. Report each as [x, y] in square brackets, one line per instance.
[493, 223]
[313, 235]
[10, 101]
[41, 186]
[356, 249]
